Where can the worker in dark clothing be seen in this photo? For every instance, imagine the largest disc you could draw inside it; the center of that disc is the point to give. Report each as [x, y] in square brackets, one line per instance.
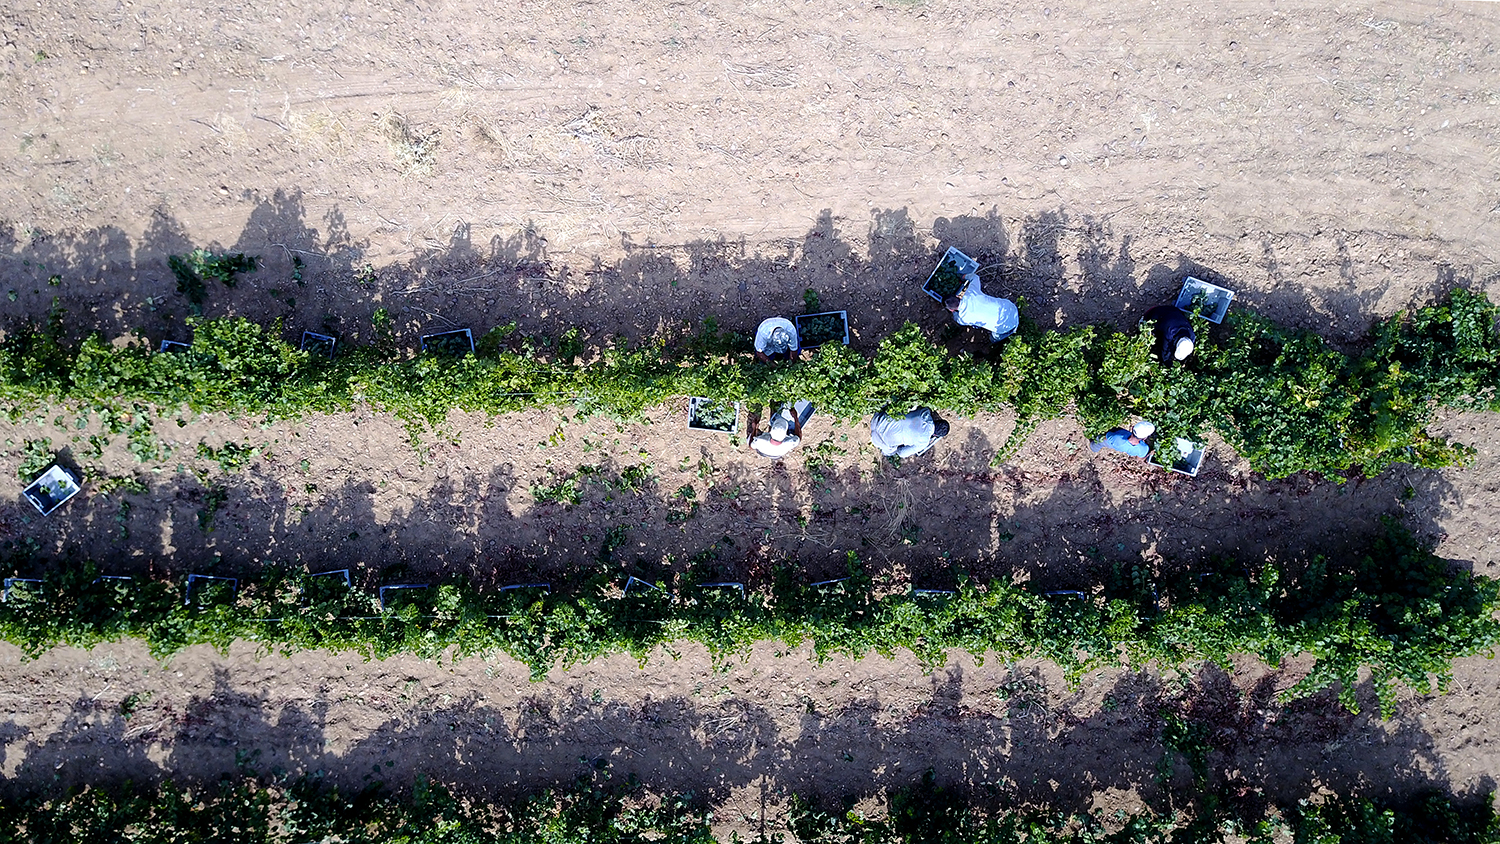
[1174, 332]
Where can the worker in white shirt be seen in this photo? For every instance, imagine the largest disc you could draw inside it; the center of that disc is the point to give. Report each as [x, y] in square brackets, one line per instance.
[779, 441]
[973, 307]
[776, 339]
[908, 435]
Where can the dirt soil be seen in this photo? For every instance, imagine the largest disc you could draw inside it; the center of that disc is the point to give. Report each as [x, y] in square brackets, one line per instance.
[631, 169]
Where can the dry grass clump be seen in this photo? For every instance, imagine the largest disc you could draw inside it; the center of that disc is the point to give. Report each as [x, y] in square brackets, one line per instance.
[414, 151]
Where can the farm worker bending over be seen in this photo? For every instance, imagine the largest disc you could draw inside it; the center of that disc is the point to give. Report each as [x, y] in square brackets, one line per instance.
[906, 436]
[776, 339]
[973, 307]
[1174, 332]
[1132, 442]
[780, 440]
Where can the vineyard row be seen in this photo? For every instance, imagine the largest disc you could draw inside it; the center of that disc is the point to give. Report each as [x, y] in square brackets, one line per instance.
[1397, 610]
[1284, 400]
[599, 811]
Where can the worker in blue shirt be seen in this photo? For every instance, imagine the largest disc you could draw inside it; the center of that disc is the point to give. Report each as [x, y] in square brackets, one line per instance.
[1132, 442]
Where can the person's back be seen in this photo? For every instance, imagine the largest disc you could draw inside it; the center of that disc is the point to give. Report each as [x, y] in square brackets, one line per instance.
[1175, 338]
[980, 310]
[769, 446]
[906, 436]
[776, 339]
[779, 441]
[1124, 442]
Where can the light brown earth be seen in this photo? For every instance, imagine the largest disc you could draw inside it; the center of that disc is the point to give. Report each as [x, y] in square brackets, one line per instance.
[633, 168]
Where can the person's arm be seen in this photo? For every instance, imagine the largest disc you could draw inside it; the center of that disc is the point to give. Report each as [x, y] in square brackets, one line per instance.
[906, 451]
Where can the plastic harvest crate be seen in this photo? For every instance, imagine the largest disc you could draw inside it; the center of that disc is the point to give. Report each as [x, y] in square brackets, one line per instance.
[1216, 299]
[697, 402]
[965, 264]
[1187, 457]
[456, 343]
[51, 490]
[802, 335]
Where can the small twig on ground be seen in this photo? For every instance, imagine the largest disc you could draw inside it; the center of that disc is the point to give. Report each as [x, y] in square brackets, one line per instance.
[614, 739]
[141, 731]
[725, 724]
[898, 509]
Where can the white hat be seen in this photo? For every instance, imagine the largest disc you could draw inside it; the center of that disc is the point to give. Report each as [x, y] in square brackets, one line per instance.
[1142, 430]
[779, 428]
[1184, 348]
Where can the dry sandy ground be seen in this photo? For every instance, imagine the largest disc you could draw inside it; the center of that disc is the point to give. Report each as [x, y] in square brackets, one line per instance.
[633, 168]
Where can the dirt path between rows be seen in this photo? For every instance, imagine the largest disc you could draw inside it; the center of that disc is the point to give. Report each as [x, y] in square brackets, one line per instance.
[349, 492]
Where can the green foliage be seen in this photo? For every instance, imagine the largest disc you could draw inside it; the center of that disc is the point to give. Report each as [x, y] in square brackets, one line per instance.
[634, 478]
[1284, 400]
[120, 483]
[600, 810]
[140, 438]
[194, 270]
[294, 811]
[930, 814]
[384, 330]
[1398, 612]
[231, 457]
[811, 303]
[36, 456]
[1430, 818]
[212, 501]
[563, 490]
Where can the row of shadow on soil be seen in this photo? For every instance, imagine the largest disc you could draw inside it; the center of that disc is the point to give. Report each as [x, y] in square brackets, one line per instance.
[1011, 746]
[929, 518]
[109, 282]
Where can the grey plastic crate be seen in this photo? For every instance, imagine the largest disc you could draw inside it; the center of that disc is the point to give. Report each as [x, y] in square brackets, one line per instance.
[1186, 457]
[52, 489]
[635, 584]
[457, 343]
[195, 579]
[384, 607]
[1216, 299]
[965, 265]
[13, 582]
[340, 576]
[802, 333]
[545, 587]
[695, 403]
